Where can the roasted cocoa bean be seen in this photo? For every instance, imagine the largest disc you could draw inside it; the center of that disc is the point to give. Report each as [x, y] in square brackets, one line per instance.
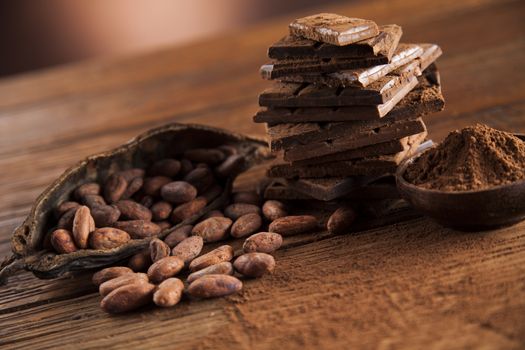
[236, 210]
[212, 192]
[115, 187]
[128, 297]
[138, 229]
[93, 200]
[292, 225]
[223, 268]
[188, 249]
[109, 273]
[216, 256]
[201, 178]
[66, 220]
[62, 241]
[147, 200]
[231, 166]
[110, 285]
[341, 220]
[131, 174]
[165, 268]
[211, 286]
[247, 197]
[108, 238]
[246, 225]
[254, 264]
[213, 214]
[166, 167]
[152, 185]
[205, 155]
[263, 242]
[83, 225]
[161, 210]
[273, 210]
[134, 185]
[65, 206]
[185, 167]
[141, 261]
[164, 225]
[133, 211]
[228, 150]
[187, 210]
[168, 293]
[178, 235]
[90, 188]
[212, 229]
[105, 215]
[178, 192]
[158, 249]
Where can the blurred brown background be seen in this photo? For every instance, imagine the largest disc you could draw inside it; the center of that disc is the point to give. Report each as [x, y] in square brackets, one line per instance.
[41, 33]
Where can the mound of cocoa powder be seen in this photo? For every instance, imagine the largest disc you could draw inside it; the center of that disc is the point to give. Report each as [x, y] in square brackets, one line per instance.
[474, 158]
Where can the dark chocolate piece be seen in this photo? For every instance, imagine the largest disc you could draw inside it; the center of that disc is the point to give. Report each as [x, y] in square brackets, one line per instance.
[360, 76]
[423, 99]
[333, 29]
[384, 44]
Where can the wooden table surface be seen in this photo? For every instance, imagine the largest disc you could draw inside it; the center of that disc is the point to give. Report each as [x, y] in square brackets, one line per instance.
[411, 284]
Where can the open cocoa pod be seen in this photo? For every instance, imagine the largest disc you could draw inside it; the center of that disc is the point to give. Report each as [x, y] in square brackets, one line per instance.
[163, 142]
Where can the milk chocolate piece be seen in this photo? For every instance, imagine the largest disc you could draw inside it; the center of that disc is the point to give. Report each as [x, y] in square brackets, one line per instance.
[361, 76]
[292, 46]
[385, 148]
[333, 29]
[283, 68]
[423, 99]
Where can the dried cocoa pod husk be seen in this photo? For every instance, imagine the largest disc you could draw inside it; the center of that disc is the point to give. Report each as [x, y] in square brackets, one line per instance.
[160, 143]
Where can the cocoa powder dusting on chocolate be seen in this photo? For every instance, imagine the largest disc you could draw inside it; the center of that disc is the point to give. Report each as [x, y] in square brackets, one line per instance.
[474, 158]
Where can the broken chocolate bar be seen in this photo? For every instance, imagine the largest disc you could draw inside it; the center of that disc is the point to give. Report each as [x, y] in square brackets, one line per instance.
[384, 44]
[425, 98]
[333, 29]
[361, 77]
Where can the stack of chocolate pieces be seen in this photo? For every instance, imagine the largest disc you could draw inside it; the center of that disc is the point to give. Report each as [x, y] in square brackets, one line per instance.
[345, 107]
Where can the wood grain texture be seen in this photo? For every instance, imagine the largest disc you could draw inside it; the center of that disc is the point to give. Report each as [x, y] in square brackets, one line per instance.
[411, 284]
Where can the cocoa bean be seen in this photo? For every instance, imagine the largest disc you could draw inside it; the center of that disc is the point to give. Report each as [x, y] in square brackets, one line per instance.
[133, 211]
[178, 192]
[166, 167]
[131, 174]
[247, 197]
[165, 268]
[236, 210]
[188, 249]
[105, 215]
[134, 185]
[201, 178]
[211, 286]
[341, 220]
[90, 188]
[187, 210]
[212, 192]
[164, 225]
[168, 293]
[185, 167]
[83, 225]
[263, 242]
[128, 297]
[204, 155]
[246, 225]
[254, 264]
[212, 229]
[138, 229]
[161, 210]
[231, 166]
[218, 255]
[228, 150]
[292, 225]
[66, 220]
[62, 241]
[141, 261]
[109, 273]
[158, 249]
[65, 206]
[178, 235]
[93, 200]
[115, 187]
[110, 285]
[213, 214]
[223, 268]
[108, 238]
[273, 210]
[147, 201]
[152, 185]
